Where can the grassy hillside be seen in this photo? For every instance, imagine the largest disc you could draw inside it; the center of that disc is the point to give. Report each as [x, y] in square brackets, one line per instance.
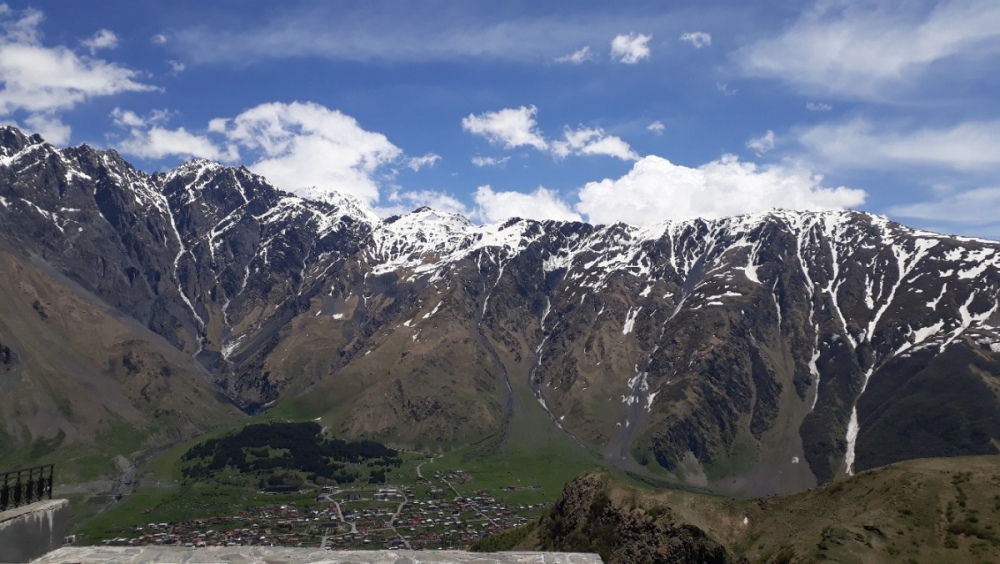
[931, 510]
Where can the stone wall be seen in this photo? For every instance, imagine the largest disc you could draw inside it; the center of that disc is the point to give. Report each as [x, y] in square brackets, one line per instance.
[33, 530]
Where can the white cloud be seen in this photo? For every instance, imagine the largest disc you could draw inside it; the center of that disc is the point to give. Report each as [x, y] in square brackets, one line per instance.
[218, 125]
[697, 38]
[128, 118]
[818, 107]
[725, 89]
[968, 146]
[302, 148]
[656, 190]
[103, 39]
[358, 31]
[149, 139]
[401, 202]
[158, 142]
[510, 127]
[516, 127]
[176, 67]
[489, 161]
[762, 144]
[577, 57]
[630, 48]
[43, 81]
[980, 206]
[158, 39]
[540, 205]
[50, 127]
[592, 141]
[656, 127]
[863, 49]
[417, 163]
[310, 150]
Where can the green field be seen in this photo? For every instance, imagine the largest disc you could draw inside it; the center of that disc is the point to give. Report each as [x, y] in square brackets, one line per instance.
[528, 473]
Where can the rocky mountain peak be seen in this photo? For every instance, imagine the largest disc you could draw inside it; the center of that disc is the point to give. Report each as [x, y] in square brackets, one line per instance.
[774, 350]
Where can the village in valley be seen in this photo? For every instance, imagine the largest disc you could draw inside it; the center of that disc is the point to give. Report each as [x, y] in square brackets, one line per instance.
[428, 514]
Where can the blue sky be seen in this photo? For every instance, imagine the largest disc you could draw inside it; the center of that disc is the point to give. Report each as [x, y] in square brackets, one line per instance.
[637, 112]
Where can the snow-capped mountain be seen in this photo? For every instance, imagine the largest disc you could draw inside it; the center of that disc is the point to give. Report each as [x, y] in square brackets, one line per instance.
[759, 353]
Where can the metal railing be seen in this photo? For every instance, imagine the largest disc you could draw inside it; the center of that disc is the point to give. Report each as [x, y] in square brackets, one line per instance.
[24, 486]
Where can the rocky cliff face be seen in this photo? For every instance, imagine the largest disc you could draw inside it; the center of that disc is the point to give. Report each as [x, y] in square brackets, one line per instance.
[592, 516]
[759, 353]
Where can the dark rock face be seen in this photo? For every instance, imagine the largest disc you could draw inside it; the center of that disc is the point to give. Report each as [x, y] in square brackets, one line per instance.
[777, 349]
[588, 519]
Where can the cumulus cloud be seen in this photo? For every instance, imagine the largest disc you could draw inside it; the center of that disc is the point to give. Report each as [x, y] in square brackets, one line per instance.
[158, 142]
[818, 107]
[656, 190]
[577, 57]
[967, 146]
[762, 144]
[489, 161]
[541, 204]
[630, 48]
[128, 118]
[510, 127]
[158, 39]
[40, 81]
[861, 49]
[656, 127]
[516, 127]
[592, 141]
[149, 138]
[417, 163]
[310, 150]
[103, 39]
[301, 147]
[697, 38]
[176, 67]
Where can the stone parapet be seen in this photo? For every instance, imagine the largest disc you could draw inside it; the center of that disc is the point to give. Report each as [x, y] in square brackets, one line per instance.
[31, 531]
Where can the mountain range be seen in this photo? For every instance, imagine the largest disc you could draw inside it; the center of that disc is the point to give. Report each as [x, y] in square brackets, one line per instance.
[763, 353]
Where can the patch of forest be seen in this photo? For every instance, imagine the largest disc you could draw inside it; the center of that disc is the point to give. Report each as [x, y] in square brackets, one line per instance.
[276, 450]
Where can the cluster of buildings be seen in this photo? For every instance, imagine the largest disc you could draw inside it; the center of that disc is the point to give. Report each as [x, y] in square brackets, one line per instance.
[283, 525]
[456, 523]
[356, 518]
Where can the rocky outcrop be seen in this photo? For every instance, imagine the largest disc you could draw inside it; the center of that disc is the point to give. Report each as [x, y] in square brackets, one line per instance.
[593, 516]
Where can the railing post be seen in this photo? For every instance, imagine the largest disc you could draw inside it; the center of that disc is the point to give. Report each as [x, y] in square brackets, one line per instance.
[17, 490]
[4, 494]
[29, 487]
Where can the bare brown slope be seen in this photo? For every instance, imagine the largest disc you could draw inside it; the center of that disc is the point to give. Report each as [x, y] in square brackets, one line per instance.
[80, 383]
[401, 365]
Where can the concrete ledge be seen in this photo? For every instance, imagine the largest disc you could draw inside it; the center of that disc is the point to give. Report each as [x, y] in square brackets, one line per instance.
[32, 530]
[262, 555]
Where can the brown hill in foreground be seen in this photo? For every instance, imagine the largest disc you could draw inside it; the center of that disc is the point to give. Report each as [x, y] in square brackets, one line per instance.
[930, 510]
[80, 383]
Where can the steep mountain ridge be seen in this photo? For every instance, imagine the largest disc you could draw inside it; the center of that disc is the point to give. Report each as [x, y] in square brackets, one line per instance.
[744, 353]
